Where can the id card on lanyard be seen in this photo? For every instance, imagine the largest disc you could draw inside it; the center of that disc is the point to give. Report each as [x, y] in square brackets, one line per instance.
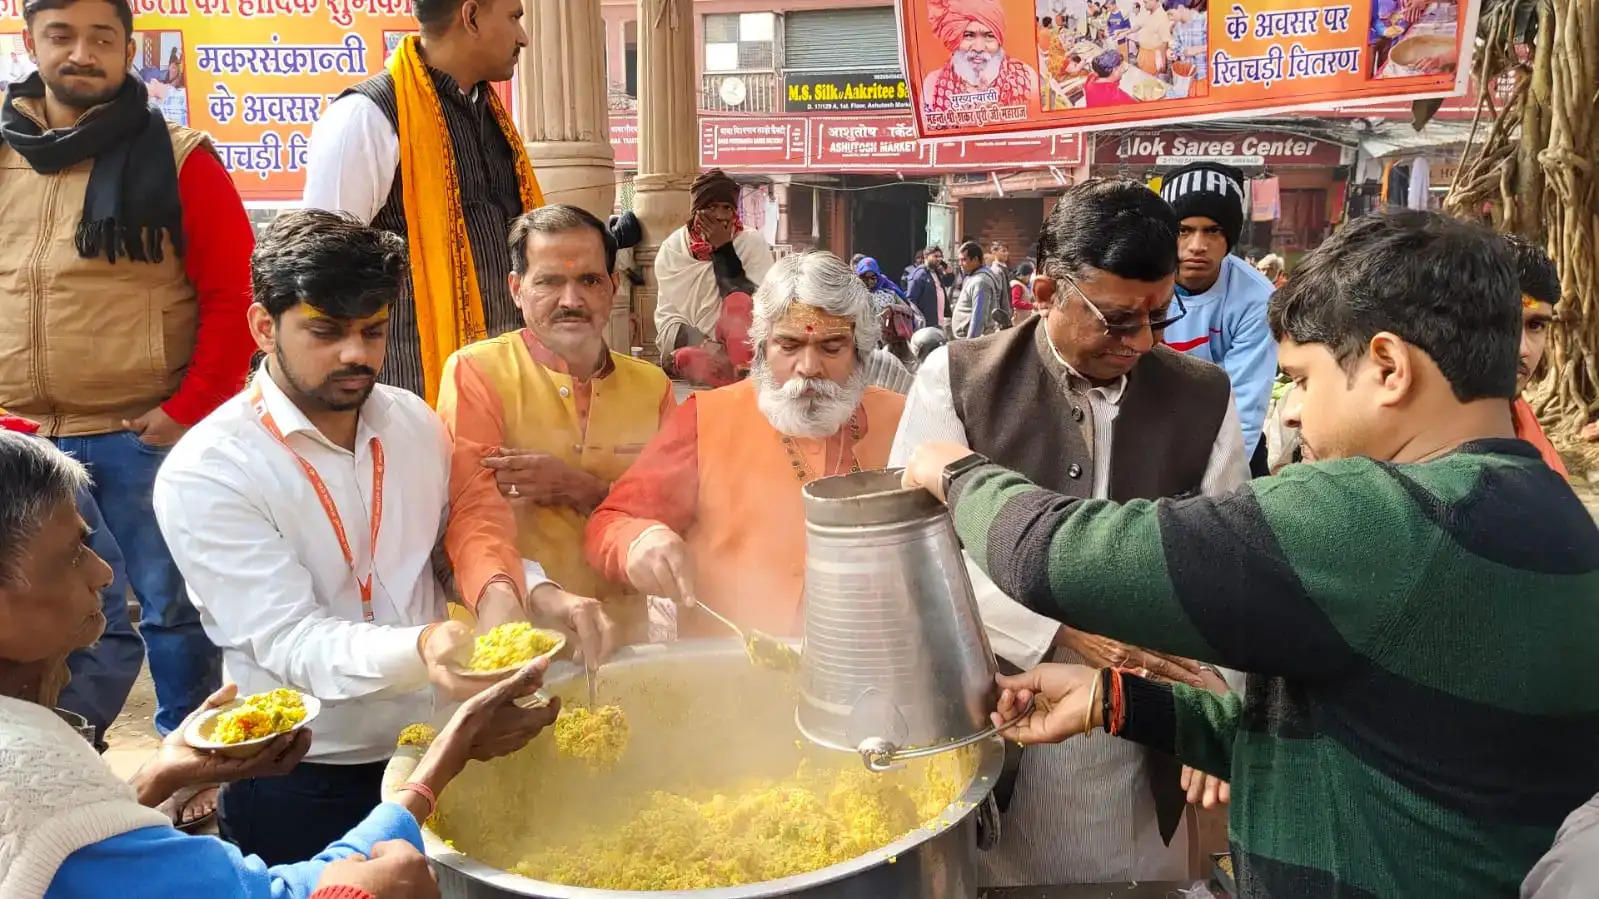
[325, 497]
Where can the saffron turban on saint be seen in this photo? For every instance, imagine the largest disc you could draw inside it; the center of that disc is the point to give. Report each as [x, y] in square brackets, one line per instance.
[950, 18]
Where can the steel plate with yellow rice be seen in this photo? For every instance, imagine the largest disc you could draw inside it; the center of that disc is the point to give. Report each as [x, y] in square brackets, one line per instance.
[511, 645]
[713, 789]
[262, 715]
[245, 726]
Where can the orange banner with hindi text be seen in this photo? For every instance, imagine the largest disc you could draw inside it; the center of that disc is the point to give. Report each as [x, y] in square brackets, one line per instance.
[978, 67]
[254, 74]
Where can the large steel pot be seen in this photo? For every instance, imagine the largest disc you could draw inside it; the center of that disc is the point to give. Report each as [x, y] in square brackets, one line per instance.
[937, 864]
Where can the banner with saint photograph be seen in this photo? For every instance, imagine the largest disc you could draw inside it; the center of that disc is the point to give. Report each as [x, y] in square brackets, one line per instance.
[985, 66]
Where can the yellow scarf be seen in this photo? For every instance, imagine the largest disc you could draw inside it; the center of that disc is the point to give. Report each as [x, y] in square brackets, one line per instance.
[449, 308]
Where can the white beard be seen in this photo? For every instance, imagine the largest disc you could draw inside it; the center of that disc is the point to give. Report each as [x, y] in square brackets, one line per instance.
[973, 75]
[807, 407]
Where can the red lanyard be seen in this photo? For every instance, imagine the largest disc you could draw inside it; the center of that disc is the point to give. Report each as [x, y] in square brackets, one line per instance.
[326, 498]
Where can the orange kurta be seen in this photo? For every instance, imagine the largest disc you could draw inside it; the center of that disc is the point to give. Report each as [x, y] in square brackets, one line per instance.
[1528, 429]
[719, 475]
[510, 391]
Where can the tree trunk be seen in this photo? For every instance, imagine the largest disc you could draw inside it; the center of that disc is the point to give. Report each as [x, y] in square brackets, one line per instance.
[1535, 173]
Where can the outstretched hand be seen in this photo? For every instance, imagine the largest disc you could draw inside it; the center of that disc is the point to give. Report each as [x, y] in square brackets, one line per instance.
[178, 766]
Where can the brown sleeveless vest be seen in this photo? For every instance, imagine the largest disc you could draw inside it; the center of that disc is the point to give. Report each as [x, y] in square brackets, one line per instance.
[490, 200]
[1012, 395]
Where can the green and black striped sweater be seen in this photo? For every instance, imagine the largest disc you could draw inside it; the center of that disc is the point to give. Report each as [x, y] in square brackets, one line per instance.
[1424, 640]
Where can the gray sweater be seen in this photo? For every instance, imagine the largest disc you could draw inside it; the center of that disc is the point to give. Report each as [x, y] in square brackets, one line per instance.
[983, 306]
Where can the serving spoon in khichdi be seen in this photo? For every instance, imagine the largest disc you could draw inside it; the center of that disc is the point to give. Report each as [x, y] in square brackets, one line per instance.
[764, 650]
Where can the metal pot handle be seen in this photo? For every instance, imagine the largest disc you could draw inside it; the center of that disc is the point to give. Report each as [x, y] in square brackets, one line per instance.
[988, 823]
[883, 755]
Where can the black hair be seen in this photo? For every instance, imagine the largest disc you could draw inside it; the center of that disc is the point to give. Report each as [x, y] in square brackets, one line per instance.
[557, 219]
[1106, 62]
[1535, 270]
[1046, 21]
[1441, 284]
[971, 249]
[435, 15]
[1115, 226]
[1024, 271]
[124, 11]
[327, 260]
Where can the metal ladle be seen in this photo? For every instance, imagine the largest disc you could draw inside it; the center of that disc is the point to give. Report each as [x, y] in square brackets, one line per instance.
[763, 649]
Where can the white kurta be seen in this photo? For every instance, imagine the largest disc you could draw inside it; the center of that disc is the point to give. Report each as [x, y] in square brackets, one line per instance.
[1082, 811]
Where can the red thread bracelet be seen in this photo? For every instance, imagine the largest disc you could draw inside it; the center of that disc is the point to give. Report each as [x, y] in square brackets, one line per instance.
[1118, 704]
[425, 792]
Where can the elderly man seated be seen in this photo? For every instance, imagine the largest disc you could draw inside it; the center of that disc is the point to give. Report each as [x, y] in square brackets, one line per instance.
[72, 829]
[712, 510]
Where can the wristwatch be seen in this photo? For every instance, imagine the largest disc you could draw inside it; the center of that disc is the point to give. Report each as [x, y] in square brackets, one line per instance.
[959, 467]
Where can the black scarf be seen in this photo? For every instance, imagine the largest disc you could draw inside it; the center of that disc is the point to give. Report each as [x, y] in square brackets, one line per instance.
[132, 200]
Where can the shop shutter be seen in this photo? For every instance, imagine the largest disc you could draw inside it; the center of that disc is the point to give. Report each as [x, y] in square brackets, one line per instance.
[859, 40]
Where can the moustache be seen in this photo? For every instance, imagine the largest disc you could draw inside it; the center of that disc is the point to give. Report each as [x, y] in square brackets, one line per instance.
[89, 73]
[569, 315]
[811, 388]
[354, 371]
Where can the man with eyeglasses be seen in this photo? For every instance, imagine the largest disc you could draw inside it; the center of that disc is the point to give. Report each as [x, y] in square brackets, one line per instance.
[1083, 397]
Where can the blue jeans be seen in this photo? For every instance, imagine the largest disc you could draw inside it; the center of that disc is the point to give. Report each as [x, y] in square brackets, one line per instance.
[103, 674]
[184, 664]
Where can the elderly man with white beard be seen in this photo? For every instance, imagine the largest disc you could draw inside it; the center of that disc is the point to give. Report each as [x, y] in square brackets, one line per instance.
[979, 72]
[711, 511]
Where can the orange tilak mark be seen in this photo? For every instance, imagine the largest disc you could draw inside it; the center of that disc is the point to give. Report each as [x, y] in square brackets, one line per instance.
[377, 318]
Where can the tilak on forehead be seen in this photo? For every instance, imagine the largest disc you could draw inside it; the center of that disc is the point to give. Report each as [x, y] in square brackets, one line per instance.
[816, 321]
[376, 318]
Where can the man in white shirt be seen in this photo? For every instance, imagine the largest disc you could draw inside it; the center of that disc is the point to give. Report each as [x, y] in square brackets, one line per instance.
[303, 514]
[1084, 399]
[450, 184]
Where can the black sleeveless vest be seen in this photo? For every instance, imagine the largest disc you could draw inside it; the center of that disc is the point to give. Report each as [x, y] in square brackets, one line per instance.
[490, 200]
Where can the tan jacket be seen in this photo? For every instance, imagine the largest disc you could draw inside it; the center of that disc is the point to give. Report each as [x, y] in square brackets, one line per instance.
[84, 343]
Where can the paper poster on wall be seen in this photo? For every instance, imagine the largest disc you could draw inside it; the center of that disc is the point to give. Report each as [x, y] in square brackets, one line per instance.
[986, 66]
[254, 74]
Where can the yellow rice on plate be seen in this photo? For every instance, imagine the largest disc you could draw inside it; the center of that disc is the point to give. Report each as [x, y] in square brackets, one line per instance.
[261, 715]
[510, 644]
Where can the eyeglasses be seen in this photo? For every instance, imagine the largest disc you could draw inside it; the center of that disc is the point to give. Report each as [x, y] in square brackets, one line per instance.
[1133, 328]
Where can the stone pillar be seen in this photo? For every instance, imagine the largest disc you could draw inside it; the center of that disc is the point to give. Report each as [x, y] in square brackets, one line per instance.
[564, 119]
[669, 139]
